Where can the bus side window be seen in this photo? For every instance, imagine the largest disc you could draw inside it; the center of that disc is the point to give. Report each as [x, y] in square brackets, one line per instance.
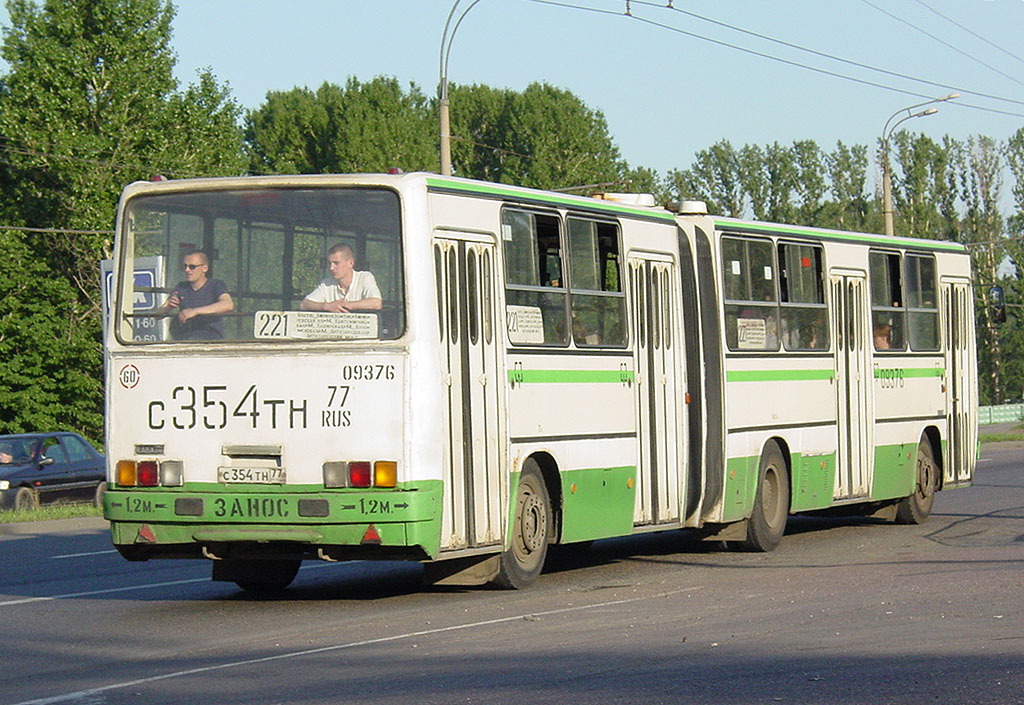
[888, 314]
[534, 286]
[751, 303]
[802, 295]
[597, 297]
[922, 302]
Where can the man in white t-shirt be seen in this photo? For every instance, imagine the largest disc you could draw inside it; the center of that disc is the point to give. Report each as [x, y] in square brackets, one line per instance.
[346, 289]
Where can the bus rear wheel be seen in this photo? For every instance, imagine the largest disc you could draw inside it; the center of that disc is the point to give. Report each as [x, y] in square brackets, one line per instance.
[916, 508]
[521, 564]
[260, 576]
[767, 521]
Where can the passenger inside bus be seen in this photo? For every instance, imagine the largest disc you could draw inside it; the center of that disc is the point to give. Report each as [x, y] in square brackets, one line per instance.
[200, 301]
[883, 336]
[346, 289]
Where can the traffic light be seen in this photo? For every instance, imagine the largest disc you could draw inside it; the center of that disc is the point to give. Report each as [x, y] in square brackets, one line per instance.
[997, 304]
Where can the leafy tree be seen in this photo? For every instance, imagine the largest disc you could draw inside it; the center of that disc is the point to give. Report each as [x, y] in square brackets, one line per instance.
[919, 169]
[363, 127]
[808, 180]
[88, 105]
[713, 178]
[544, 137]
[847, 172]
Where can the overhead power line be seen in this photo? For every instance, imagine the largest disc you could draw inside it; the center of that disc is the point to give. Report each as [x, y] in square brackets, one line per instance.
[943, 42]
[830, 57]
[796, 64]
[968, 30]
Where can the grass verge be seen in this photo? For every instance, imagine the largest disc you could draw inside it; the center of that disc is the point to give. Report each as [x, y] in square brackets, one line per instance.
[1000, 437]
[55, 511]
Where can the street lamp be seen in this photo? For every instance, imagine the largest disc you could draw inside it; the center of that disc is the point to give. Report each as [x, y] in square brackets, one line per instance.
[886, 134]
[446, 47]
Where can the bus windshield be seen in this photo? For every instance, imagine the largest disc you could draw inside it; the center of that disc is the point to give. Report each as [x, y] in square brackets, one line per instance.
[268, 264]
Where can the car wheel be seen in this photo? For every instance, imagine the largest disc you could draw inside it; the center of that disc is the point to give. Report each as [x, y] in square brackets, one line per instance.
[25, 499]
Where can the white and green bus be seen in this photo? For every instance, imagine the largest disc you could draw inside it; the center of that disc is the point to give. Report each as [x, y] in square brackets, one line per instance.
[540, 369]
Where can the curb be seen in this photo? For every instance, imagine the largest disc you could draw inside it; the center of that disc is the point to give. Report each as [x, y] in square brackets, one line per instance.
[77, 525]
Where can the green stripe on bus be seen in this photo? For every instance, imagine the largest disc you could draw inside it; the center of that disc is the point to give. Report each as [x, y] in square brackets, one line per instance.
[836, 235]
[570, 376]
[553, 198]
[907, 372]
[777, 375]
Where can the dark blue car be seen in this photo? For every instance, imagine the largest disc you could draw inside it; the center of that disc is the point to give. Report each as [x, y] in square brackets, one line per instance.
[46, 467]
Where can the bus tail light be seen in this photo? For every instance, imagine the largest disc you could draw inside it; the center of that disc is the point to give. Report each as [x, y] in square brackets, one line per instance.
[359, 473]
[148, 475]
[385, 473]
[172, 473]
[127, 473]
[335, 473]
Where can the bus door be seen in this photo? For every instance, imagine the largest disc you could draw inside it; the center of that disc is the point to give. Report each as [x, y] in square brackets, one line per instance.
[464, 265]
[957, 314]
[853, 384]
[655, 323]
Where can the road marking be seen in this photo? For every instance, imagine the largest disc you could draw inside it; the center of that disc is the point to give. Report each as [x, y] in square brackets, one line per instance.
[338, 647]
[105, 591]
[79, 555]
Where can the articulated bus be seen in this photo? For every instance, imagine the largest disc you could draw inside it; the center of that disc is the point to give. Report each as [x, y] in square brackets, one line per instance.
[540, 369]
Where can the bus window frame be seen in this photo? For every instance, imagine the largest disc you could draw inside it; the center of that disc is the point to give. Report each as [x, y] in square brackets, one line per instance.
[573, 291]
[540, 289]
[915, 311]
[784, 296]
[727, 303]
[885, 315]
[209, 216]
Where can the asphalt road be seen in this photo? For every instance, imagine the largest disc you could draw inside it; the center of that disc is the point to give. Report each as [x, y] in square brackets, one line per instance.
[845, 611]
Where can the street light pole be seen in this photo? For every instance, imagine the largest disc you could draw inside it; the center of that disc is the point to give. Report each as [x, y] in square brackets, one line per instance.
[442, 102]
[886, 134]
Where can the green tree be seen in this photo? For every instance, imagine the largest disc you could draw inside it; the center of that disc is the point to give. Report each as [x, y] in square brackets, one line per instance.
[847, 174]
[543, 137]
[714, 178]
[363, 127]
[919, 174]
[88, 105]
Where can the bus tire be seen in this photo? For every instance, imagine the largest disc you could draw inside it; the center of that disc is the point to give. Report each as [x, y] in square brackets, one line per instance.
[916, 508]
[767, 521]
[25, 499]
[97, 498]
[259, 576]
[522, 562]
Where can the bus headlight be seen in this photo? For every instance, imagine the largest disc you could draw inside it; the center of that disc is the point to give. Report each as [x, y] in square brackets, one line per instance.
[5, 484]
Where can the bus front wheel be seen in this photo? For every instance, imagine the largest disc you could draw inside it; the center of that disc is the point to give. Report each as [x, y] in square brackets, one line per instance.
[767, 521]
[916, 508]
[523, 561]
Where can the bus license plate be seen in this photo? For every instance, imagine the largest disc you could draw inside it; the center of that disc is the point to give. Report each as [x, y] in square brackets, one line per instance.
[255, 476]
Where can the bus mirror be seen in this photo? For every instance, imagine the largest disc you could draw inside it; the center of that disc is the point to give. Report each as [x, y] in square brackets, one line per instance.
[997, 304]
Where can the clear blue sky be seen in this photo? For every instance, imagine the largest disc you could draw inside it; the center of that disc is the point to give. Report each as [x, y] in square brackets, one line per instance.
[665, 94]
